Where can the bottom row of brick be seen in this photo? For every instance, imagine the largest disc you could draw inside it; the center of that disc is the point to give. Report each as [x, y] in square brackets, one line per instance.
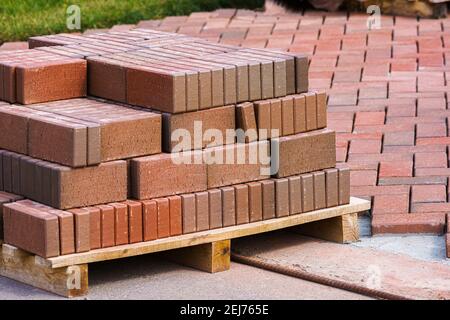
[49, 232]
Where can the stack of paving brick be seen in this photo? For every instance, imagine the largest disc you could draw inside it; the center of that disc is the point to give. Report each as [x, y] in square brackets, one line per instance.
[192, 136]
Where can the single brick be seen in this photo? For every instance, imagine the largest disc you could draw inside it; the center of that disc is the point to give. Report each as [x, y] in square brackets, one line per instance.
[268, 199]
[215, 209]
[49, 81]
[176, 217]
[31, 230]
[163, 217]
[295, 195]
[321, 106]
[101, 68]
[304, 152]
[344, 186]
[299, 113]
[238, 163]
[7, 171]
[202, 210]
[181, 130]
[228, 206]
[395, 169]
[255, 201]
[82, 229]
[161, 89]
[262, 113]
[66, 224]
[185, 170]
[276, 120]
[320, 196]
[390, 203]
[311, 111]
[246, 121]
[150, 220]
[5, 198]
[307, 192]
[301, 73]
[281, 197]
[135, 225]
[93, 185]
[242, 203]
[332, 187]
[428, 193]
[69, 140]
[14, 128]
[408, 223]
[107, 225]
[15, 173]
[189, 213]
[287, 112]
[95, 227]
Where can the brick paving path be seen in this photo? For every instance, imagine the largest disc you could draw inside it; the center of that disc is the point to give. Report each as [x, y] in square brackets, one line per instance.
[387, 99]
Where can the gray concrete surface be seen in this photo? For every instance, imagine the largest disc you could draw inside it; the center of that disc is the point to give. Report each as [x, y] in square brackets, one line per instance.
[425, 247]
[149, 277]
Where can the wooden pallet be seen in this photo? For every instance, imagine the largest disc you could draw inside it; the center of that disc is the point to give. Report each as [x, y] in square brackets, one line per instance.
[208, 250]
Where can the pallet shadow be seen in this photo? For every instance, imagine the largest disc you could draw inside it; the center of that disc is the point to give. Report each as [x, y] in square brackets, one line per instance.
[279, 240]
[153, 264]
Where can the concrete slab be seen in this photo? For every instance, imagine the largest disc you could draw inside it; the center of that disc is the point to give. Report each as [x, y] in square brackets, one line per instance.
[372, 268]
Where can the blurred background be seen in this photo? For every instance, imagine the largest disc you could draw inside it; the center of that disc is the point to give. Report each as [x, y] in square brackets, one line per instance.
[20, 19]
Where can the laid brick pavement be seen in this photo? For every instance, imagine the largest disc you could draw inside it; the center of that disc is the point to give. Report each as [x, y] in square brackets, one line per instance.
[387, 99]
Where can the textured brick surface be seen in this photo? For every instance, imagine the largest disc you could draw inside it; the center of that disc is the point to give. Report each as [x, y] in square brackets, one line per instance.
[31, 229]
[181, 130]
[384, 81]
[150, 175]
[305, 152]
[33, 76]
[176, 73]
[83, 131]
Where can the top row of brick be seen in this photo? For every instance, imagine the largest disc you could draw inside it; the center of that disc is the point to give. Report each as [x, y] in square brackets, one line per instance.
[176, 73]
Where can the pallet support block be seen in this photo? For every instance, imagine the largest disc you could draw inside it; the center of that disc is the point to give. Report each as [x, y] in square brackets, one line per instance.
[69, 281]
[210, 257]
[341, 229]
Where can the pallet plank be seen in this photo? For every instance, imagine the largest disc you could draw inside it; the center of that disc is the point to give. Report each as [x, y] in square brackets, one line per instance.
[129, 250]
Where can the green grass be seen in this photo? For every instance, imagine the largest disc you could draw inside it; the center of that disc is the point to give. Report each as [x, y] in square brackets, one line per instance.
[20, 19]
